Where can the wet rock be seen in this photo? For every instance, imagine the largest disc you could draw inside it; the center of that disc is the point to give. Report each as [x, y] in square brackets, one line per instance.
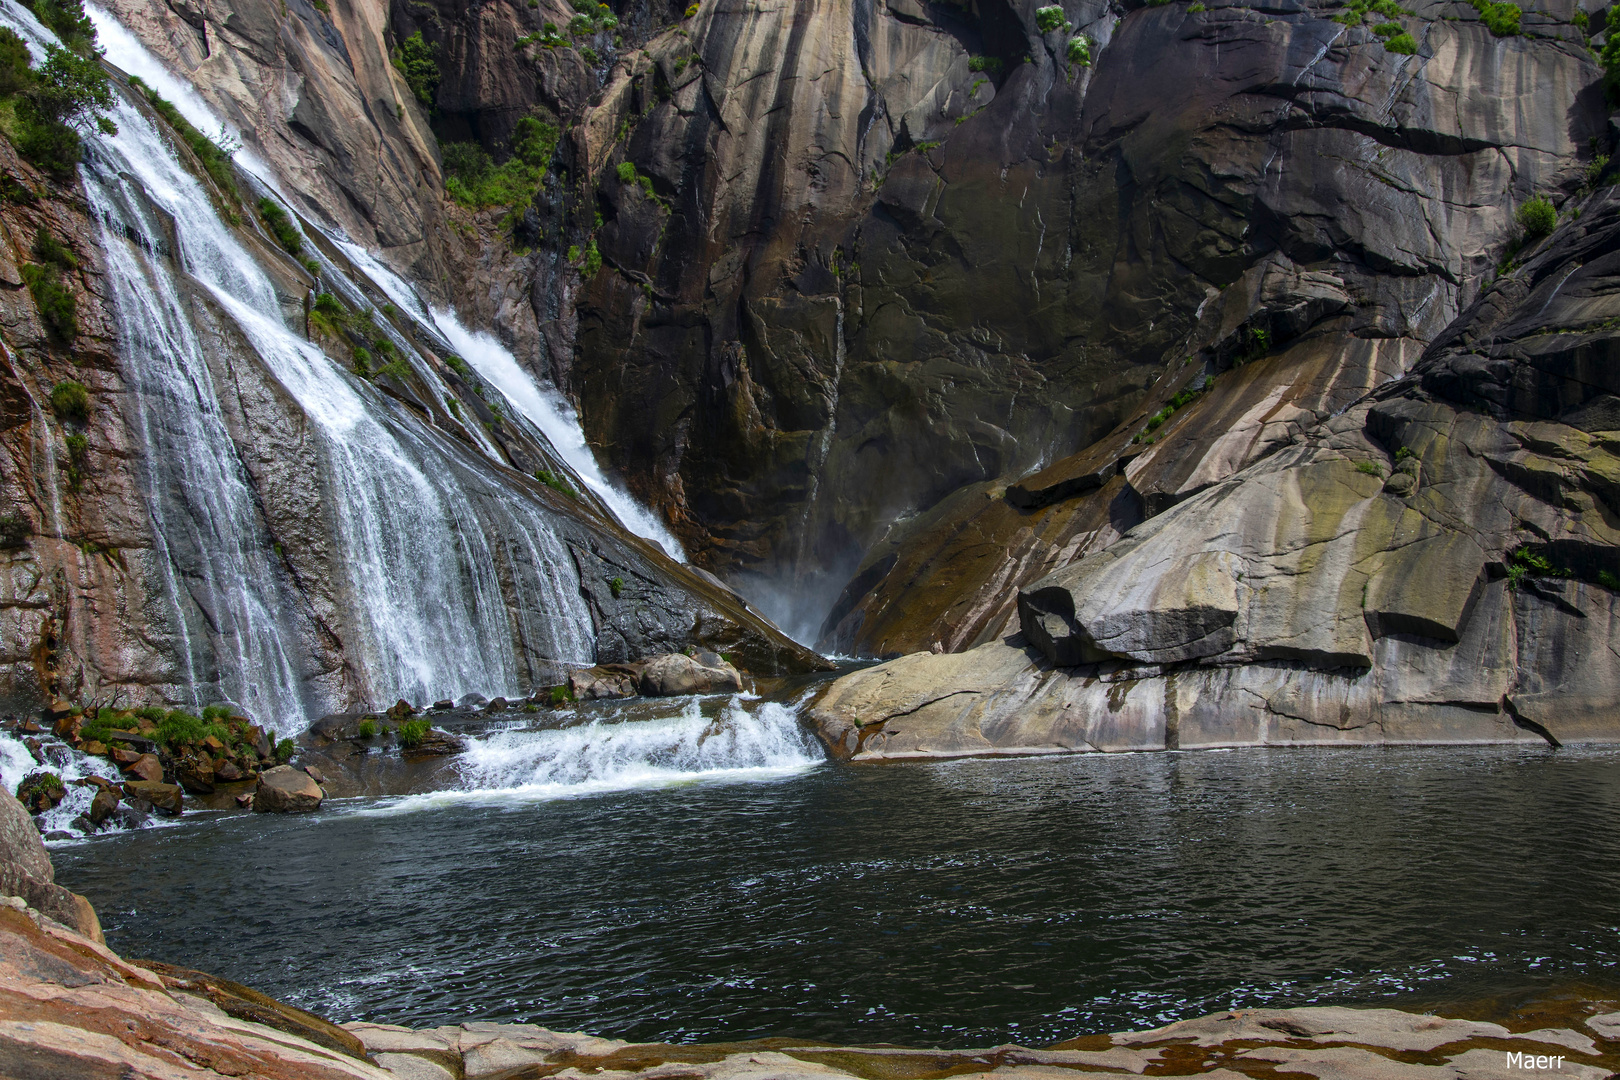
[103, 806]
[67, 727]
[164, 798]
[315, 774]
[228, 772]
[675, 673]
[472, 701]
[145, 767]
[604, 683]
[443, 706]
[121, 756]
[245, 799]
[41, 791]
[435, 743]
[195, 772]
[94, 748]
[35, 750]
[401, 710]
[496, 705]
[286, 790]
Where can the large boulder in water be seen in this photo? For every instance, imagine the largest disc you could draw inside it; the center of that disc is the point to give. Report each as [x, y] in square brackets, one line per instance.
[286, 790]
[675, 673]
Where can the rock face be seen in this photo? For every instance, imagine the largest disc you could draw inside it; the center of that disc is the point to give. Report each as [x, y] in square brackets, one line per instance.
[1437, 563]
[286, 790]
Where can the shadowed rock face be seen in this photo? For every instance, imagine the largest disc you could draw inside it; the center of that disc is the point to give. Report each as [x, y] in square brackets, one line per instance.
[814, 331]
[1437, 563]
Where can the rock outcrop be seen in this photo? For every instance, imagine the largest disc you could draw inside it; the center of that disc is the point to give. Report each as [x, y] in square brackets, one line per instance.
[26, 872]
[1436, 563]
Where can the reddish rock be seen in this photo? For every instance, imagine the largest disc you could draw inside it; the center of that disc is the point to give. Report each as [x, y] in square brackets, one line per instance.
[227, 772]
[145, 767]
[121, 756]
[94, 748]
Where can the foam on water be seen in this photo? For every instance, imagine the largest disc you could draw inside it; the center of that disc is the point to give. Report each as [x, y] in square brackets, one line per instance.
[69, 764]
[743, 741]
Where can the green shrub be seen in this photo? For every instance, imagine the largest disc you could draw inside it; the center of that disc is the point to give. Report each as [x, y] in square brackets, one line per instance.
[561, 695]
[15, 62]
[415, 59]
[1050, 18]
[412, 732]
[991, 64]
[179, 728]
[58, 307]
[67, 20]
[1079, 51]
[1193, 9]
[616, 586]
[627, 173]
[1371, 468]
[48, 249]
[285, 750]
[1609, 580]
[1502, 19]
[1387, 30]
[14, 532]
[67, 89]
[40, 791]
[281, 226]
[368, 729]
[70, 400]
[1405, 44]
[77, 447]
[474, 180]
[1536, 217]
[593, 259]
[573, 254]
[1610, 58]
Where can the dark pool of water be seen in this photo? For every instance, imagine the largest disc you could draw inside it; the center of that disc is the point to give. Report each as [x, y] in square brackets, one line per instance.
[953, 904]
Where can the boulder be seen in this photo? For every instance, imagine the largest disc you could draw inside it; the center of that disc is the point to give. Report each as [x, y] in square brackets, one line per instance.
[67, 727]
[95, 748]
[103, 806]
[315, 774]
[286, 790]
[598, 684]
[40, 791]
[227, 772]
[401, 710]
[120, 756]
[145, 767]
[164, 798]
[497, 705]
[675, 673]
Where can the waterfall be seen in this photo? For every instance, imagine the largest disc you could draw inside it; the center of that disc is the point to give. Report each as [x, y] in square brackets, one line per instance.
[455, 581]
[542, 405]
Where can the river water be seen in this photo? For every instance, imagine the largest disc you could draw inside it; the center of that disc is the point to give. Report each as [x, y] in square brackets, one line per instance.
[959, 903]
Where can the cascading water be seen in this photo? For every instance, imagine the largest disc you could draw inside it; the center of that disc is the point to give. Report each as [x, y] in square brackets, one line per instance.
[646, 743]
[541, 404]
[424, 532]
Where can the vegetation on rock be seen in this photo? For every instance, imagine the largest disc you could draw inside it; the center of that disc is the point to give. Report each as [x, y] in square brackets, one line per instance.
[412, 732]
[1079, 51]
[415, 59]
[70, 401]
[1501, 19]
[473, 179]
[281, 226]
[39, 791]
[14, 532]
[46, 105]
[1050, 18]
[555, 482]
[1537, 217]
